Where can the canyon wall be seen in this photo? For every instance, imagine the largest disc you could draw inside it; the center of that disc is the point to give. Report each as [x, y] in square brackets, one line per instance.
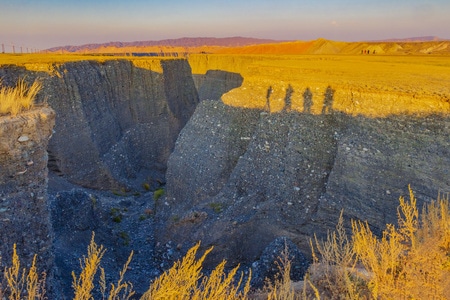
[255, 176]
[24, 211]
[116, 123]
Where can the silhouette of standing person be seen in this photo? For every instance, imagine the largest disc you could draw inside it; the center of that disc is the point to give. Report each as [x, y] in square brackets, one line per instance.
[287, 98]
[328, 101]
[269, 92]
[307, 101]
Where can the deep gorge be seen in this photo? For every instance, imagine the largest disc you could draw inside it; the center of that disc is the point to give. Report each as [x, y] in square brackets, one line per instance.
[236, 178]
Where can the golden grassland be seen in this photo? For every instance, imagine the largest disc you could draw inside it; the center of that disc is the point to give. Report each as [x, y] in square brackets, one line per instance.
[370, 85]
[317, 46]
[44, 62]
[410, 261]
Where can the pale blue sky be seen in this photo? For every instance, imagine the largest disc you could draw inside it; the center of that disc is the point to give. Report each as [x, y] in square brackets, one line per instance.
[47, 23]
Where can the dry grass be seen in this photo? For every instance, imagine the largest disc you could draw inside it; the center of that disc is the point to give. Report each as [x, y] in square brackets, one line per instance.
[186, 281]
[20, 283]
[374, 86]
[409, 261]
[84, 284]
[14, 100]
[282, 288]
[335, 272]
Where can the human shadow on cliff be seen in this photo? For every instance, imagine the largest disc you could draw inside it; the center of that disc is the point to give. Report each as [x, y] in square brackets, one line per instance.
[307, 99]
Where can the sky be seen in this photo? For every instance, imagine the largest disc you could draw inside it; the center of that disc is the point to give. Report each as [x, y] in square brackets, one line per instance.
[42, 24]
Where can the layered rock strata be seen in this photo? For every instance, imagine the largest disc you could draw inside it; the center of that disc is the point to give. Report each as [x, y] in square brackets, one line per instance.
[24, 211]
[255, 176]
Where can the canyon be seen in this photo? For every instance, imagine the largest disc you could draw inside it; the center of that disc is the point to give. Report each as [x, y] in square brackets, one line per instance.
[241, 159]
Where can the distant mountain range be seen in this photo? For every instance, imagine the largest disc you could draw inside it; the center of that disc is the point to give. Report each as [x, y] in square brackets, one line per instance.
[180, 42]
[260, 46]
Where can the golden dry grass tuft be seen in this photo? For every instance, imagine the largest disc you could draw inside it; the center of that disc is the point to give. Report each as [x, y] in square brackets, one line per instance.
[282, 287]
[336, 272]
[14, 100]
[19, 284]
[84, 284]
[185, 280]
[410, 261]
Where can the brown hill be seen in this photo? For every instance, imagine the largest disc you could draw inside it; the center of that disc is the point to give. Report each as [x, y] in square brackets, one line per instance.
[323, 46]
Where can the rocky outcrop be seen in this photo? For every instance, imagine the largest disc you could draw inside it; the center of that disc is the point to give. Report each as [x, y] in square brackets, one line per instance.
[24, 213]
[256, 176]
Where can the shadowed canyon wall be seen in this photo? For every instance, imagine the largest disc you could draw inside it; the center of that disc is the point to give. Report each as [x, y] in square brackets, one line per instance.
[116, 123]
[285, 152]
[255, 176]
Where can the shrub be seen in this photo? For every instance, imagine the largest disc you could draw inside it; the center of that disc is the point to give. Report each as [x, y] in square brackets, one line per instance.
[158, 193]
[84, 283]
[21, 286]
[186, 281]
[146, 186]
[116, 214]
[216, 207]
[410, 261]
[14, 100]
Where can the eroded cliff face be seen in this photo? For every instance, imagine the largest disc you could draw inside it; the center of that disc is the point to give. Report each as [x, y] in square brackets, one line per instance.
[116, 123]
[24, 213]
[256, 176]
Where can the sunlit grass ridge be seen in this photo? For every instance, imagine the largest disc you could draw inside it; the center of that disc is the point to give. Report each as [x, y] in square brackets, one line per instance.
[14, 100]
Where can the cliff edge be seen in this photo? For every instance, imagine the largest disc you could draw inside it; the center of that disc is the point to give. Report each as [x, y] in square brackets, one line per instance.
[24, 209]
